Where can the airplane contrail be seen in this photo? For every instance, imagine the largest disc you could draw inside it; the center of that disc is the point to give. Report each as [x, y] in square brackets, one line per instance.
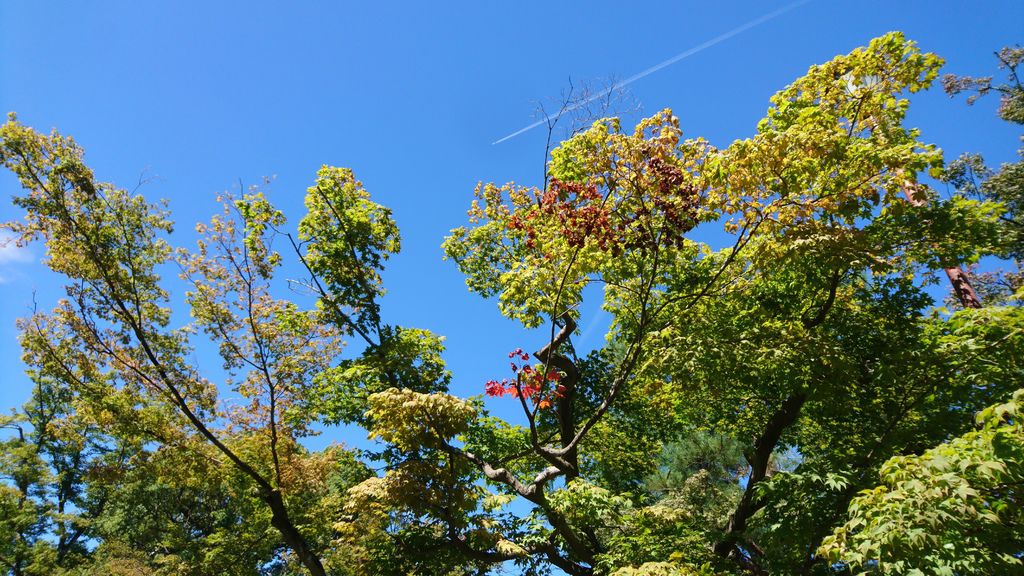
[686, 54]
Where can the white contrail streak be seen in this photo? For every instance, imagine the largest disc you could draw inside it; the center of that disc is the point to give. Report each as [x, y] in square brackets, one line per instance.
[686, 54]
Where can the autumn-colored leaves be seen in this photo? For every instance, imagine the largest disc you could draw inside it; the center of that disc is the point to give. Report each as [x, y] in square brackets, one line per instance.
[530, 382]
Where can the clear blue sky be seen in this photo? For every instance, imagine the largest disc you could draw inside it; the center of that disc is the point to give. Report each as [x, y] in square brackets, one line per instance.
[199, 95]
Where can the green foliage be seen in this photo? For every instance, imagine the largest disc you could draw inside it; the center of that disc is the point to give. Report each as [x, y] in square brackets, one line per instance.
[955, 509]
[348, 238]
[807, 334]
[719, 456]
[407, 358]
[969, 175]
[662, 569]
[411, 419]
[206, 487]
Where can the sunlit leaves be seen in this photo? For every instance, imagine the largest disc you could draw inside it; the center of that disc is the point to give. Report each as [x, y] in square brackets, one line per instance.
[408, 358]
[411, 419]
[956, 508]
[348, 237]
[613, 197]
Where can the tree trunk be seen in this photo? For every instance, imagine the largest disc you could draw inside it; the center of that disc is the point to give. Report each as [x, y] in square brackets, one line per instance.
[962, 287]
[957, 277]
[759, 459]
[564, 405]
[292, 537]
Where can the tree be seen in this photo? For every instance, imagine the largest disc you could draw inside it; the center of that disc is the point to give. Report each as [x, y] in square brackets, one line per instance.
[109, 343]
[50, 504]
[808, 338]
[971, 178]
[965, 512]
[810, 312]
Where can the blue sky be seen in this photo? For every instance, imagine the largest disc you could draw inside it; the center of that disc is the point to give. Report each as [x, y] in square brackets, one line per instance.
[194, 97]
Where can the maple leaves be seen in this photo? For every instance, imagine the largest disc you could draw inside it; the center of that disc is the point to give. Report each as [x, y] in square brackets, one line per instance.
[584, 215]
[578, 209]
[613, 201]
[530, 382]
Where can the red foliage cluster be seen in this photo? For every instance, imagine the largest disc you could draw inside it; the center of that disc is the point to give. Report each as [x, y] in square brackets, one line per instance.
[667, 214]
[580, 211]
[528, 383]
[673, 199]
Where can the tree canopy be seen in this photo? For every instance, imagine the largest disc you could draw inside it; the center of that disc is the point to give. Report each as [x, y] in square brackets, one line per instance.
[792, 402]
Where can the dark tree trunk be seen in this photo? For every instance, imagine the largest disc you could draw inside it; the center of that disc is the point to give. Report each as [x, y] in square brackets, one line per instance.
[759, 459]
[564, 405]
[292, 537]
